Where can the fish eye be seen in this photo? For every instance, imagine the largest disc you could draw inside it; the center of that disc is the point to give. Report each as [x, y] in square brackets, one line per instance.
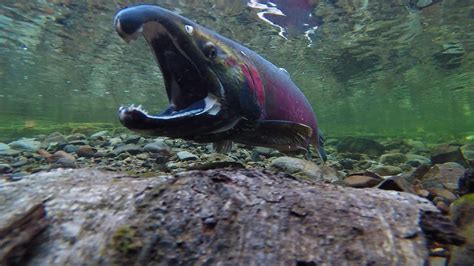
[210, 50]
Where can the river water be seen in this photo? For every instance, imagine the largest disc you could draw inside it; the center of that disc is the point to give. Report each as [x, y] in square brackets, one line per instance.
[401, 68]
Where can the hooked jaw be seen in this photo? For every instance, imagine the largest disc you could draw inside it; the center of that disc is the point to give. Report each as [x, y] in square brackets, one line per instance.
[189, 81]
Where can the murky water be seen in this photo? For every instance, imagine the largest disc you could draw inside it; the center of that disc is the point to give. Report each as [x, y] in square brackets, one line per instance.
[379, 68]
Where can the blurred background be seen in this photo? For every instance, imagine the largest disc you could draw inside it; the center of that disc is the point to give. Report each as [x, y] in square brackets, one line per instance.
[400, 68]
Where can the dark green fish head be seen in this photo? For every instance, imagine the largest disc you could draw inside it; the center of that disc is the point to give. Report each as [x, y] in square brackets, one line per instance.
[201, 74]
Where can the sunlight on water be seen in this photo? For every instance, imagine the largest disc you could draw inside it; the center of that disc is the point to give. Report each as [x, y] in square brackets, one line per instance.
[382, 68]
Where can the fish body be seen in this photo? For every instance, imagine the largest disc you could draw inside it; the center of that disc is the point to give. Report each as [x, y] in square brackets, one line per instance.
[219, 91]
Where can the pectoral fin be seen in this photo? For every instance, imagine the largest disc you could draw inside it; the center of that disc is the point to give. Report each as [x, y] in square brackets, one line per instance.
[224, 146]
[280, 135]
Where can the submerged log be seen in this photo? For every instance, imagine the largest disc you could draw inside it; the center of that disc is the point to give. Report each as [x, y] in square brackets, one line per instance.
[226, 217]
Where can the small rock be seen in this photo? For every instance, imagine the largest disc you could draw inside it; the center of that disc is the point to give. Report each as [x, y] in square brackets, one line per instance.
[416, 160]
[467, 152]
[65, 163]
[20, 163]
[114, 141]
[130, 148]
[132, 139]
[54, 137]
[360, 145]
[309, 169]
[361, 181]
[158, 147]
[5, 168]
[4, 147]
[79, 142]
[100, 135]
[26, 144]
[186, 156]
[70, 148]
[446, 175]
[61, 155]
[267, 152]
[10, 152]
[86, 151]
[420, 191]
[17, 176]
[447, 153]
[388, 170]
[399, 146]
[443, 193]
[392, 158]
[76, 136]
[418, 147]
[466, 184]
[347, 163]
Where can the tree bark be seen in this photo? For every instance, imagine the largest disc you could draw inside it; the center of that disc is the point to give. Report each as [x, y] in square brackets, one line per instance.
[225, 217]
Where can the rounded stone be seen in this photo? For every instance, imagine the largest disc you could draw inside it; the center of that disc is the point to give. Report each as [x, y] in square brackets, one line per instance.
[186, 156]
[388, 170]
[392, 158]
[86, 151]
[25, 144]
[361, 181]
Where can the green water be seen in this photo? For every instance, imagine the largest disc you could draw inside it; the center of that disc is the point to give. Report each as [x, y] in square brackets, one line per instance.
[376, 68]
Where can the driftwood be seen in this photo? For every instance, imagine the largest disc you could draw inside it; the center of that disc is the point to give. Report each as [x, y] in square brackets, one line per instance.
[223, 217]
[19, 231]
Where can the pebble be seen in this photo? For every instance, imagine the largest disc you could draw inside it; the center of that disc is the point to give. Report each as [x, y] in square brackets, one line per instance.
[361, 181]
[21, 162]
[100, 135]
[186, 156]
[416, 160]
[76, 136]
[54, 137]
[388, 170]
[65, 163]
[447, 153]
[130, 148]
[468, 152]
[86, 151]
[306, 168]
[10, 152]
[4, 147]
[418, 147]
[360, 145]
[443, 193]
[70, 148]
[393, 158]
[132, 139]
[26, 144]
[447, 175]
[158, 147]
[114, 141]
[61, 155]
[5, 168]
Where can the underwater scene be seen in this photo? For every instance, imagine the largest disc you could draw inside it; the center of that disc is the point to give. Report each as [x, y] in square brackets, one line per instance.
[237, 132]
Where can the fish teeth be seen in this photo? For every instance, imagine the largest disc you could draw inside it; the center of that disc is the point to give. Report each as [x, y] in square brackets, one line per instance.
[134, 107]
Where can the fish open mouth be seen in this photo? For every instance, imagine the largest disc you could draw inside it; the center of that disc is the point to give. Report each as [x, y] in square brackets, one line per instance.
[191, 85]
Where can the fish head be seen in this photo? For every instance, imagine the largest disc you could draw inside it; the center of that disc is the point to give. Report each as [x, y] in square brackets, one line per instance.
[200, 71]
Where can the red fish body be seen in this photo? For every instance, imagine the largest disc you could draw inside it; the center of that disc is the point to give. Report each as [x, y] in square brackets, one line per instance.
[219, 91]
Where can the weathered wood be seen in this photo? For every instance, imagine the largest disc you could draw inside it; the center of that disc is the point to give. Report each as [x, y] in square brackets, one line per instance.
[19, 231]
[225, 217]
